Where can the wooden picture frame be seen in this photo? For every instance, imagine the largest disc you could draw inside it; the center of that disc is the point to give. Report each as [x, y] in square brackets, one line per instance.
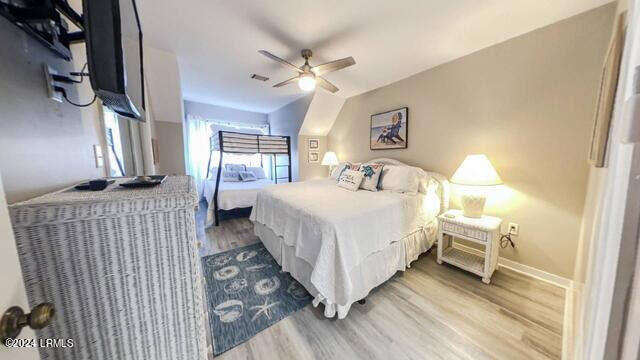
[314, 156]
[313, 144]
[389, 130]
[606, 96]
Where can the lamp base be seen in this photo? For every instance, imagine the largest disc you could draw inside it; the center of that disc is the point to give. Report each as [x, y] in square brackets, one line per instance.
[473, 205]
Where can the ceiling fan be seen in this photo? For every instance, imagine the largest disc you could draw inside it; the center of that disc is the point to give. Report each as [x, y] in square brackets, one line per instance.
[309, 75]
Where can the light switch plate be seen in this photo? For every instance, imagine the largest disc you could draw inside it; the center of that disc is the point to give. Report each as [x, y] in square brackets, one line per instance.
[97, 153]
[51, 93]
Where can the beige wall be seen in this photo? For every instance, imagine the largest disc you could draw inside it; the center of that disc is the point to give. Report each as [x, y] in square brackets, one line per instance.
[44, 145]
[310, 171]
[287, 121]
[528, 105]
[170, 148]
[167, 108]
[164, 89]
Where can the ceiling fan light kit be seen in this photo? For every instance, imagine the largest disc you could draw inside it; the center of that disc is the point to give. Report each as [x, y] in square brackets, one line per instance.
[309, 76]
[307, 82]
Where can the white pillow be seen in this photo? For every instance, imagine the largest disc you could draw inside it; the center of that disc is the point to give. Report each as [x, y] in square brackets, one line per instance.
[236, 167]
[258, 172]
[247, 176]
[425, 181]
[428, 185]
[402, 179]
[350, 180]
[230, 176]
[371, 177]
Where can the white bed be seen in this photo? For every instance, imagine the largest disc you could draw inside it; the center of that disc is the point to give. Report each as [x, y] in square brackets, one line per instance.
[232, 195]
[341, 244]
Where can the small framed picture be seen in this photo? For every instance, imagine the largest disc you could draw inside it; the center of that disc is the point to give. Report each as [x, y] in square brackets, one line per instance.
[314, 144]
[314, 156]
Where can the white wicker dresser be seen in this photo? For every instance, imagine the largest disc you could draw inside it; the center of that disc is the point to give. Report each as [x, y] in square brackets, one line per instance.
[121, 268]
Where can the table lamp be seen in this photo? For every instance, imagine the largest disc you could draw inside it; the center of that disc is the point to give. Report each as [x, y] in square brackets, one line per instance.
[476, 172]
[330, 159]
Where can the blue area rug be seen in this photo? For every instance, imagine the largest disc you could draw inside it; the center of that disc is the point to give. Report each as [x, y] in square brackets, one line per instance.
[246, 293]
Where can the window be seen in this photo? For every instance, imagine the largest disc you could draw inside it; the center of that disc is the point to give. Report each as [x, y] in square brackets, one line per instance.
[253, 160]
[114, 143]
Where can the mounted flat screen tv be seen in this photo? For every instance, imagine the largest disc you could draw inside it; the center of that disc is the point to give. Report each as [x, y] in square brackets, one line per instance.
[114, 54]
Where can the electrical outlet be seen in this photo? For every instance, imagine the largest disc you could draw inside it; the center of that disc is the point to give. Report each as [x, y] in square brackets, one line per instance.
[514, 229]
[53, 95]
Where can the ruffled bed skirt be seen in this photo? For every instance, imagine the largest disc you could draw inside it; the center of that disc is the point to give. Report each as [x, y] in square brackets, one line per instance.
[373, 271]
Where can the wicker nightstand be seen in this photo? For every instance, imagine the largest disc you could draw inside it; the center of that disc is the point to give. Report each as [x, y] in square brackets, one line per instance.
[484, 231]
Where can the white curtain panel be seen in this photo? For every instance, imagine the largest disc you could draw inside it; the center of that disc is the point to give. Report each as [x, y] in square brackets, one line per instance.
[198, 134]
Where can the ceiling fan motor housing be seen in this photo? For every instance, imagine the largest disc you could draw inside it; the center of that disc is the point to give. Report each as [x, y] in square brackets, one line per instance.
[306, 53]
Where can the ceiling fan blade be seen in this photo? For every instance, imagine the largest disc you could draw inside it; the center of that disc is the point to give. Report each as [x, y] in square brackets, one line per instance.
[326, 84]
[333, 66]
[281, 61]
[286, 82]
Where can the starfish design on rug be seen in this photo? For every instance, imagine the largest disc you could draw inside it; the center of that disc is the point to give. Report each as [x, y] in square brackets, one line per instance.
[264, 309]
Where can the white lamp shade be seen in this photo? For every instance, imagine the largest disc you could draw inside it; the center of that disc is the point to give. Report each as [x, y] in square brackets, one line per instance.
[330, 159]
[476, 170]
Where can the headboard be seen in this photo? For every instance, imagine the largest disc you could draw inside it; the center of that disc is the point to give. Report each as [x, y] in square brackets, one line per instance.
[444, 188]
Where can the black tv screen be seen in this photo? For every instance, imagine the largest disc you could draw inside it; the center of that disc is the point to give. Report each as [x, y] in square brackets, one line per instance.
[114, 55]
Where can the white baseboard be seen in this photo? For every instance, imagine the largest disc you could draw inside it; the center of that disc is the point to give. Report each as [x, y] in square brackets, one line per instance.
[521, 268]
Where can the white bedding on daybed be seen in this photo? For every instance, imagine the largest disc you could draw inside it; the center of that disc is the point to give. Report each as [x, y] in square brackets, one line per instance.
[340, 244]
[232, 195]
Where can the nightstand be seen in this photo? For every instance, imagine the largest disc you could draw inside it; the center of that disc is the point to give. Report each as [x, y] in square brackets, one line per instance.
[484, 231]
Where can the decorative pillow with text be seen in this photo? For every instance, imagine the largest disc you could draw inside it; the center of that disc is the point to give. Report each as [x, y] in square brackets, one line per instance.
[247, 176]
[230, 176]
[335, 173]
[236, 167]
[350, 180]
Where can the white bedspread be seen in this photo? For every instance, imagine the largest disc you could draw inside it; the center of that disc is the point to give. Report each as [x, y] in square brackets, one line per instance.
[232, 195]
[334, 229]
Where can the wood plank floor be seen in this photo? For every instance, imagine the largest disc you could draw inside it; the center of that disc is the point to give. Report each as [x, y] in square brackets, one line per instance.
[430, 311]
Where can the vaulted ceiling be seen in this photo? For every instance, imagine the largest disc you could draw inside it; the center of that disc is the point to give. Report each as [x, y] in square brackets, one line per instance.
[217, 41]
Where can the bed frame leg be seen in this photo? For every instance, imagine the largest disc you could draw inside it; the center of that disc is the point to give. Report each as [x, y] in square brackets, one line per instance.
[362, 301]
